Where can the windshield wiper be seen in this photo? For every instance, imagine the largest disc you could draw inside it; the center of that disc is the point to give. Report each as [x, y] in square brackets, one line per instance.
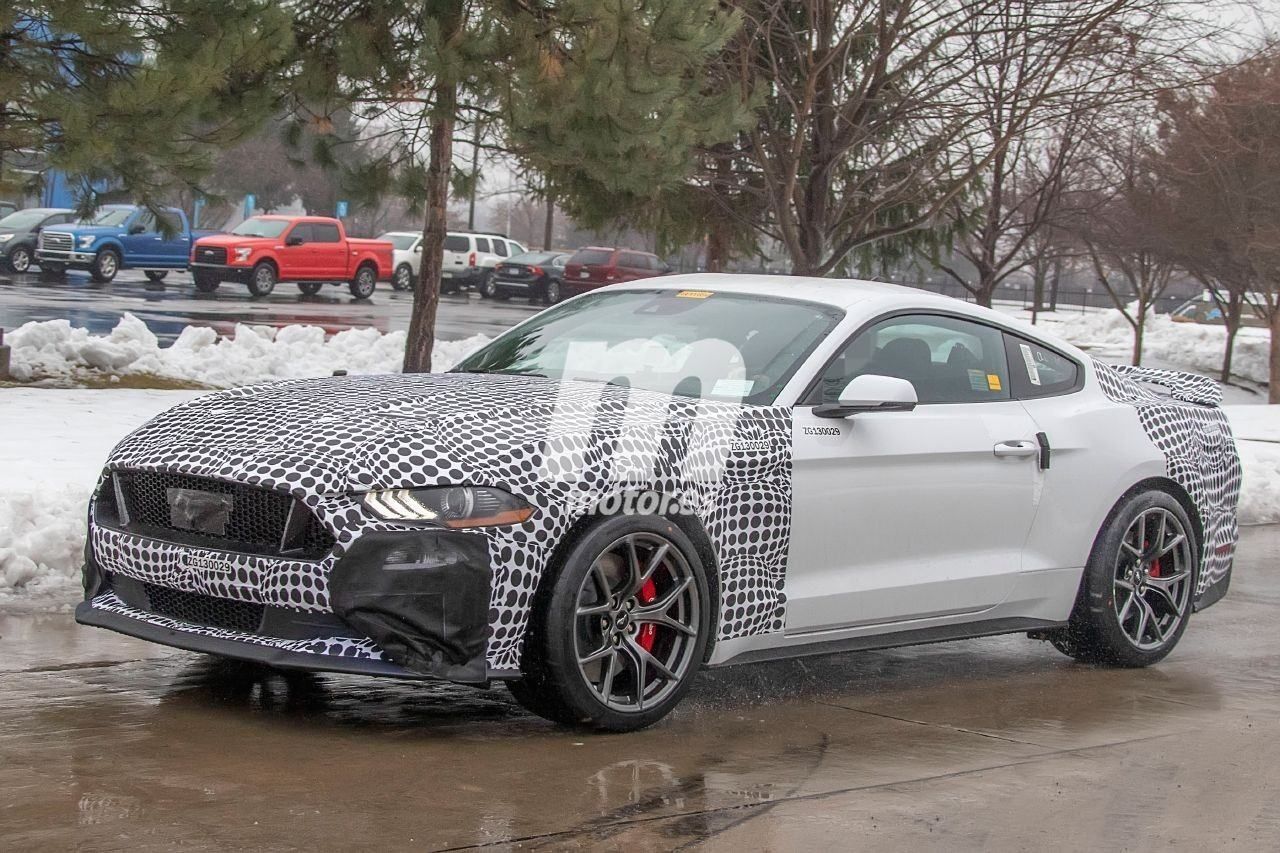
[502, 372]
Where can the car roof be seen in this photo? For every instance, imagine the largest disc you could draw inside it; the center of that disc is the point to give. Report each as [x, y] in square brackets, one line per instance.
[48, 211]
[870, 297]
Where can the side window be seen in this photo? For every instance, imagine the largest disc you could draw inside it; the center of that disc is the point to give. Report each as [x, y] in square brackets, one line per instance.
[301, 231]
[946, 359]
[632, 261]
[482, 245]
[1036, 371]
[145, 221]
[500, 248]
[172, 222]
[325, 232]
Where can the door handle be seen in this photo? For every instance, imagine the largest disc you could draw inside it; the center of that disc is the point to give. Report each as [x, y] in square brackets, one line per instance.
[1016, 448]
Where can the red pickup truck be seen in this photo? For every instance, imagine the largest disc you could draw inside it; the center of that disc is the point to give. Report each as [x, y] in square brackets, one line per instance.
[310, 250]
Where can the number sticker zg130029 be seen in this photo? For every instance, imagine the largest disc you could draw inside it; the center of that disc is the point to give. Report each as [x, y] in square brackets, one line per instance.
[822, 430]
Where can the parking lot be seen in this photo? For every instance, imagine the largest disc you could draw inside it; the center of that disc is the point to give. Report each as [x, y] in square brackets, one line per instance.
[1000, 744]
[167, 309]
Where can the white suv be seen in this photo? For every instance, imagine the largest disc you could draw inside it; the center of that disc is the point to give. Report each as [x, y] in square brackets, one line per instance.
[406, 260]
[469, 259]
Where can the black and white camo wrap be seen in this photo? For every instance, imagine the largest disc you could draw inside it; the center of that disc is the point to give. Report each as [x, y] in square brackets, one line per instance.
[562, 447]
[1188, 426]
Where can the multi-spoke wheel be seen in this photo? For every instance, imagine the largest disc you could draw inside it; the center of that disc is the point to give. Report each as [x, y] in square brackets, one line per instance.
[619, 633]
[1138, 588]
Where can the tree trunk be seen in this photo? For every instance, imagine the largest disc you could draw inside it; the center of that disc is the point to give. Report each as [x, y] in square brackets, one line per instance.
[717, 248]
[422, 323]
[1037, 295]
[1139, 329]
[1053, 285]
[475, 176]
[549, 225]
[1273, 373]
[1231, 319]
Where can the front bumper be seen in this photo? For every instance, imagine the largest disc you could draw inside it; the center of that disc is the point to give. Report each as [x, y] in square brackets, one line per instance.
[404, 604]
[75, 259]
[225, 272]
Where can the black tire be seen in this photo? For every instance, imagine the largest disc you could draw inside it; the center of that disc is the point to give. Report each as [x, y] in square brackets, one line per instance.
[553, 293]
[105, 266]
[555, 685]
[1123, 568]
[53, 269]
[488, 289]
[155, 275]
[310, 288]
[20, 259]
[206, 282]
[365, 282]
[263, 280]
[402, 278]
[448, 286]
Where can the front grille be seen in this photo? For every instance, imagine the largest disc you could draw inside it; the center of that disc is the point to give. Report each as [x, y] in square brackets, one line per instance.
[196, 609]
[55, 241]
[211, 255]
[259, 521]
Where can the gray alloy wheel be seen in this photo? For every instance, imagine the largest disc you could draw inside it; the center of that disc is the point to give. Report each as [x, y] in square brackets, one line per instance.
[488, 288]
[1138, 588]
[263, 280]
[105, 266]
[619, 629]
[20, 259]
[310, 288]
[403, 278]
[363, 284]
[553, 292]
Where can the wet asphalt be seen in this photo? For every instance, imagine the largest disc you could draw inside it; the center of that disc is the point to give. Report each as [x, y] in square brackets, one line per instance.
[107, 743]
[168, 307]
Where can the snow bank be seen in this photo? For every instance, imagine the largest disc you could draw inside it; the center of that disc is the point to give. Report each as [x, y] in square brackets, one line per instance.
[56, 350]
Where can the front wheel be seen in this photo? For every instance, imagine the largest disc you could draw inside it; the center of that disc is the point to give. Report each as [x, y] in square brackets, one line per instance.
[53, 269]
[363, 284]
[20, 259]
[1138, 588]
[155, 275]
[105, 266]
[403, 278]
[310, 288]
[206, 282]
[262, 280]
[616, 638]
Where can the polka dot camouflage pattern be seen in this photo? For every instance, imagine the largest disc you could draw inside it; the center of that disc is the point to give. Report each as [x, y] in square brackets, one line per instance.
[1188, 426]
[565, 448]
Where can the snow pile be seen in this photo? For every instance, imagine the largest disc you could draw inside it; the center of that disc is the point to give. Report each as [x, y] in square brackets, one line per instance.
[1257, 433]
[1186, 346]
[56, 350]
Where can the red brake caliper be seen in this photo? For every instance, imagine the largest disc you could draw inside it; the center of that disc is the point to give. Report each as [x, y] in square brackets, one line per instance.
[1155, 565]
[648, 631]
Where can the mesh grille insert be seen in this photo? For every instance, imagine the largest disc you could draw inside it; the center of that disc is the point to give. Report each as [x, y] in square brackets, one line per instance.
[195, 609]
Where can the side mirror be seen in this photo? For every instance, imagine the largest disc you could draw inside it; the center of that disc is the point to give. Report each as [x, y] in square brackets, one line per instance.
[137, 228]
[417, 250]
[294, 240]
[871, 393]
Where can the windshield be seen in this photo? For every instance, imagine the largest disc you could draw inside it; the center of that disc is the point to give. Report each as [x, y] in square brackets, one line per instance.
[692, 343]
[23, 219]
[256, 227]
[112, 216]
[403, 242]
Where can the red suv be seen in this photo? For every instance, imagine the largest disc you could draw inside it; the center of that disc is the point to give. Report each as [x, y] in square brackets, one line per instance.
[594, 267]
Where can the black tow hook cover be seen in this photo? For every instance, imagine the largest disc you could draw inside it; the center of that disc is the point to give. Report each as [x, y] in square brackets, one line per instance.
[422, 596]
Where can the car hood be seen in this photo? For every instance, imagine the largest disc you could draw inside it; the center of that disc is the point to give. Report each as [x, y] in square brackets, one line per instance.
[85, 230]
[324, 436]
[230, 240]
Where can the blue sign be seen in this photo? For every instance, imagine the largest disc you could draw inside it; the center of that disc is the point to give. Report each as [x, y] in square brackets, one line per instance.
[250, 202]
[342, 210]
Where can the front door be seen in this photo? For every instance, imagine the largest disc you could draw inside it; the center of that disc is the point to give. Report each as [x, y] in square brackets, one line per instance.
[141, 240]
[296, 260]
[904, 516]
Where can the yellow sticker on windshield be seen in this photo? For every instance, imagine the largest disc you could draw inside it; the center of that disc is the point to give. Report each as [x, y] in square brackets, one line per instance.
[694, 294]
[993, 381]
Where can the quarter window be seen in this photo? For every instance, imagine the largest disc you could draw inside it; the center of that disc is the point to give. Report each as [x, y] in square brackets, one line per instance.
[1037, 371]
[500, 248]
[946, 359]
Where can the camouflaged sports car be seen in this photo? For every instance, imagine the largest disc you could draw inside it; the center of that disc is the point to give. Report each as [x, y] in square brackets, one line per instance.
[667, 474]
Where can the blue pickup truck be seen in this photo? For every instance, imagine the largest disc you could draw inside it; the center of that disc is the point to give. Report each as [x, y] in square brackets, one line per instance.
[119, 237]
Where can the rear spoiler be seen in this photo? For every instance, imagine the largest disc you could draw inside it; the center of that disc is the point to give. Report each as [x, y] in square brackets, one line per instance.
[1187, 387]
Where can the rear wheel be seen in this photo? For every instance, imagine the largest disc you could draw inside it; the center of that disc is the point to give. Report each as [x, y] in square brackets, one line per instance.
[403, 278]
[155, 275]
[205, 282]
[1136, 595]
[363, 284]
[553, 294]
[20, 259]
[105, 266]
[262, 280]
[310, 288]
[619, 633]
[487, 287]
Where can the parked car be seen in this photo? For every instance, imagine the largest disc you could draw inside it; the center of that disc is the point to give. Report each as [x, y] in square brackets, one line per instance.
[119, 237]
[535, 275]
[470, 258]
[596, 266]
[684, 471]
[7, 207]
[20, 230]
[1205, 309]
[309, 250]
[406, 257]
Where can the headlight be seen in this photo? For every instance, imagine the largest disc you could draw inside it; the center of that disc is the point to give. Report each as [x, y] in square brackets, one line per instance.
[449, 506]
[5, 238]
[87, 240]
[243, 253]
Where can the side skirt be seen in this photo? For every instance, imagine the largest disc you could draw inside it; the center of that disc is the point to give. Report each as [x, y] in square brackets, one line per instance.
[916, 637]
